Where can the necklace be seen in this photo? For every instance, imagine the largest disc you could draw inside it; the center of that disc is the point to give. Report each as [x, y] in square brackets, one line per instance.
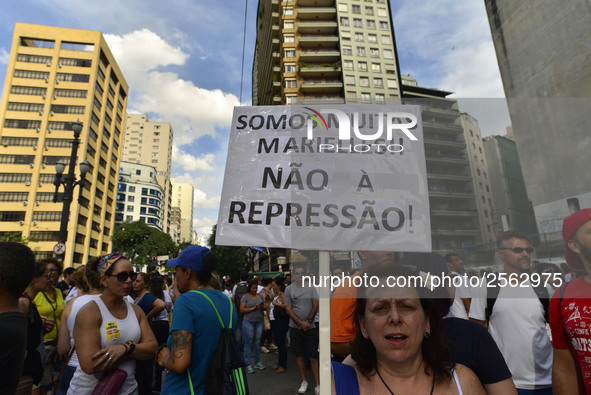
[388, 388]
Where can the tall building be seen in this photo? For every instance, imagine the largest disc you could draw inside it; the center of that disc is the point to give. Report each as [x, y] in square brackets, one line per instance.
[481, 182]
[455, 225]
[322, 51]
[513, 209]
[150, 143]
[56, 76]
[182, 197]
[542, 49]
[139, 195]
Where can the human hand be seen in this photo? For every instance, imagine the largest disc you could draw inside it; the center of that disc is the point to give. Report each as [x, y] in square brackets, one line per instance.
[305, 325]
[48, 324]
[162, 356]
[108, 357]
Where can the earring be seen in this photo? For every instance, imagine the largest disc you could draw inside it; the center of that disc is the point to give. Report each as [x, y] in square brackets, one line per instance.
[427, 335]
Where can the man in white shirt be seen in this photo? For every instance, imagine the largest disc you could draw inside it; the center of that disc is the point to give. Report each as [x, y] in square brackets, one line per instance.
[461, 304]
[517, 319]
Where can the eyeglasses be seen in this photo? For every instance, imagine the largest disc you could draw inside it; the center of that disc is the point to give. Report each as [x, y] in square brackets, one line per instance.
[123, 276]
[519, 250]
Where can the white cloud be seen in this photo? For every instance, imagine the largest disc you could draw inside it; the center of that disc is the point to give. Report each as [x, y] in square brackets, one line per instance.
[193, 111]
[4, 56]
[203, 225]
[201, 201]
[190, 162]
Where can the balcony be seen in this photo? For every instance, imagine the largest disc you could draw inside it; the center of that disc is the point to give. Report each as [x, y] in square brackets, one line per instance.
[447, 176]
[454, 213]
[320, 55]
[320, 70]
[316, 3]
[318, 40]
[442, 113]
[317, 13]
[431, 124]
[323, 100]
[450, 160]
[321, 27]
[470, 231]
[444, 142]
[321, 85]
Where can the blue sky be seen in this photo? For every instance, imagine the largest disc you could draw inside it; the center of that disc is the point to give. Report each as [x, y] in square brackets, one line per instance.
[182, 60]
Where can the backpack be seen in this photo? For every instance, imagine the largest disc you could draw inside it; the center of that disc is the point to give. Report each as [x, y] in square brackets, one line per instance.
[241, 290]
[493, 292]
[225, 374]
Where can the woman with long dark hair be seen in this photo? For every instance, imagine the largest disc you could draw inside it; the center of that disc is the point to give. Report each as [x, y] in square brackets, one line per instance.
[399, 346]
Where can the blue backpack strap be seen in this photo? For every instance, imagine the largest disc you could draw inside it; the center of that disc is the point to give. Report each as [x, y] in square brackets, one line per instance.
[345, 379]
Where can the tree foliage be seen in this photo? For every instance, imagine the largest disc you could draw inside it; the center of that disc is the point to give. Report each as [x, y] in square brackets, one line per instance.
[17, 237]
[140, 242]
[231, 260]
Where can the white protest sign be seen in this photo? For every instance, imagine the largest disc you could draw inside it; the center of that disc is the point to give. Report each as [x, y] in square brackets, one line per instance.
[340, 177]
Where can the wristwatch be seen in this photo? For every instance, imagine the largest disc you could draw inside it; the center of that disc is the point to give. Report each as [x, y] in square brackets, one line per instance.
[131, 345]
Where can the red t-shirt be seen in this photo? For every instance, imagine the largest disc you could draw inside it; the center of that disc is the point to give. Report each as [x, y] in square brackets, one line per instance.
[570, 322]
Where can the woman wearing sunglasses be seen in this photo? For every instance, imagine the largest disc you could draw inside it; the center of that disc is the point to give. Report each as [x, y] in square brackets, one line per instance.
[111, 333]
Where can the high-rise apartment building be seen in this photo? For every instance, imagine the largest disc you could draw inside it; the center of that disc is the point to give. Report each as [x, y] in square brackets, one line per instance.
[324, 51]
[513, 209]
[182, 197]
[139, 195]
[489, 228]
[56, 76]
[150, 143]
[543, 49]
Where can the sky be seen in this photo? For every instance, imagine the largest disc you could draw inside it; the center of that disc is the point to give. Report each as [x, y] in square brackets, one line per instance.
[183, 62]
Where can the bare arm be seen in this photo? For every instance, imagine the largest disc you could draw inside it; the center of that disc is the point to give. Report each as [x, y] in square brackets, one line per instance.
[341, 350]
[566, 377]
[87, 337]
[178, 358]
[244, 309]
[157, 307]
[468, 381]
[63, 335]
[505, 387]
[24, 305]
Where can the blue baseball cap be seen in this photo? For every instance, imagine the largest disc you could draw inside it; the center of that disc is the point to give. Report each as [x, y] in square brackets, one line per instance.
[191, 258]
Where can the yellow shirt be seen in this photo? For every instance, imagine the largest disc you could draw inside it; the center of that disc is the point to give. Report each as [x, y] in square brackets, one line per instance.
[50, 308]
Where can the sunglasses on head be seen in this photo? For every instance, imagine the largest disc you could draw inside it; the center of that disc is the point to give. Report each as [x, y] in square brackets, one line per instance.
[519, 250]
[123, 276]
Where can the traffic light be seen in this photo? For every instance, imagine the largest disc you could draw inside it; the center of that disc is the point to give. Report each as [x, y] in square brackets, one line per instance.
[153, 258]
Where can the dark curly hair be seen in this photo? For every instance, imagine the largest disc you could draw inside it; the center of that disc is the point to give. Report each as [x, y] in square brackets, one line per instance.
[435, 350]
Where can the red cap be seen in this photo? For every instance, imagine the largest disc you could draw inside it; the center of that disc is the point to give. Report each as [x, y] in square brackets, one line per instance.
[569, 227]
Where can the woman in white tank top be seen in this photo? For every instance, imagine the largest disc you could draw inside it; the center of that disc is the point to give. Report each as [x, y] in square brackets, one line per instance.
[109, 332]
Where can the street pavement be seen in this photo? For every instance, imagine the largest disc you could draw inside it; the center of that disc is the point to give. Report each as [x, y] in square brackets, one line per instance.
[266, 382]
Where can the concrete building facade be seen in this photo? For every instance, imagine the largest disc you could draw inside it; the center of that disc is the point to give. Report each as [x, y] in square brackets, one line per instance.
[182, 197]
[56, 76]
[139, 195]
[150, 143]
[480, 178]
[543, 50]
[513, 209]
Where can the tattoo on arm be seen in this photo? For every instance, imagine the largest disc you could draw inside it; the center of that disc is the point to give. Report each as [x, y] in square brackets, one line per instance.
[22, 306]
[179, 342]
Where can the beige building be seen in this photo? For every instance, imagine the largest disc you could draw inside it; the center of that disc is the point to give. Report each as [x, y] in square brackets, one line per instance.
[182, 197]
[56, 76]
[150, 143]
[489, 227]
[322, 51]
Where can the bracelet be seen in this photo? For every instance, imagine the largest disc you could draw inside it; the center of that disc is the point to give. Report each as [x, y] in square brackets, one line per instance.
[126, 348]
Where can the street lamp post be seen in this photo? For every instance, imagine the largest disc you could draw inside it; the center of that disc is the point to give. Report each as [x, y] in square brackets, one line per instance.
[69, 182]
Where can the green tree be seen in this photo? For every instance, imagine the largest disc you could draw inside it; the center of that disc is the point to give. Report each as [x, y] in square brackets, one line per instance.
[231, 260]
[140, 242]
[17, 237]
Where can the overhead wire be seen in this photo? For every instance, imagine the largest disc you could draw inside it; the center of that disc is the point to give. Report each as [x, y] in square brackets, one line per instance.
[243, 50]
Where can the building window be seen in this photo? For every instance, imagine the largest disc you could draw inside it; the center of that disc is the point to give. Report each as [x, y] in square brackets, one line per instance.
[35, 75]
[388, 54]
[380, 98]
[371, 24]
[372, 38]
[33, 58]
[79, 93]
[343, 7]
[348, 65]
[346, 36]
[289, 38]
[28, 90]
[383, 25]
[29, 107]
[349, 80]
[358, 36]
[378, 82]
[360, 51]
[357, 22]
[347, 50]
[290, 68]
[368, 10]
[363, 81]
[289, 53]
[291, 99]
[376, 67]
[382, 12]
[356, 9]
[288, 25]
[374, 52]
[366, 97]
[362, 66]
[288, 11]
[291, 83]
[73, 77]
[75, 62]
[344, 21]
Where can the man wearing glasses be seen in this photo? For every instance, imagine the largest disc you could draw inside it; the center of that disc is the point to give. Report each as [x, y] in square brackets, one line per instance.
[517, 320]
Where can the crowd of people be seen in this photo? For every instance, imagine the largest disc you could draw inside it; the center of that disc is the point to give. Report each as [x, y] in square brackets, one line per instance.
[105, 325]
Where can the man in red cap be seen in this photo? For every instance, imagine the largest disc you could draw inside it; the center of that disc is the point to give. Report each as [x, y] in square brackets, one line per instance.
[570, 312]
